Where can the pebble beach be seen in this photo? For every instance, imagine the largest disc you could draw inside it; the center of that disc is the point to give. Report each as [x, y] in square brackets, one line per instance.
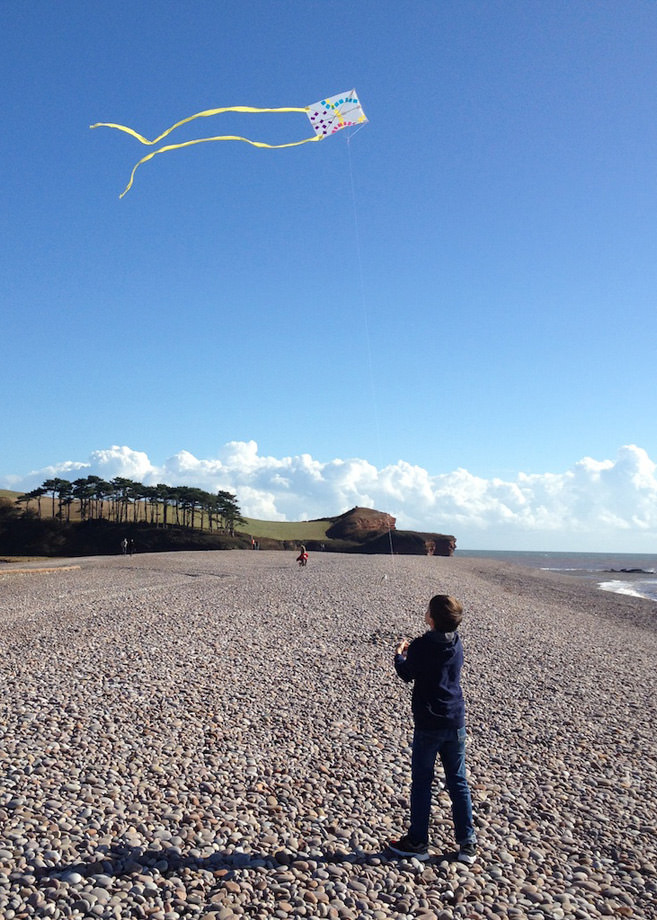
[221, 734]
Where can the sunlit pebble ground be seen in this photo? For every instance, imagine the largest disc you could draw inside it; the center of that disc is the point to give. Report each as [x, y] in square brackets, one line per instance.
[211, 735]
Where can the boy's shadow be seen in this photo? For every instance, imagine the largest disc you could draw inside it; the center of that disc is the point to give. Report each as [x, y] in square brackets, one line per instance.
[124, 859]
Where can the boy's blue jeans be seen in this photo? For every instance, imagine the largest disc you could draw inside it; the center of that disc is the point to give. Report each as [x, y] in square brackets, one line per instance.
[449, 743]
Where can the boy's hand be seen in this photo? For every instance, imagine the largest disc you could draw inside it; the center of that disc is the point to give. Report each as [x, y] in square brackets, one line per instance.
[402, 648]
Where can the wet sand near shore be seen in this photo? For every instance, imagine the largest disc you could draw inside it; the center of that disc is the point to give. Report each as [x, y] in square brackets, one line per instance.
[215, 735]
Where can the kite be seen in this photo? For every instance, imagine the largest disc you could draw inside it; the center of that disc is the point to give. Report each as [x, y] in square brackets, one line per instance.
[327, 117]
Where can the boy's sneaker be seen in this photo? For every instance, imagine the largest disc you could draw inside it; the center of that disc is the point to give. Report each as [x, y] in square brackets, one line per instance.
[467, 853]
[406, 847]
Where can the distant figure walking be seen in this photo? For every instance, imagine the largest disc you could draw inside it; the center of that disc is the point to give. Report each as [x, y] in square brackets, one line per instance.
[131, 547]
[302, 558]
[124, 546]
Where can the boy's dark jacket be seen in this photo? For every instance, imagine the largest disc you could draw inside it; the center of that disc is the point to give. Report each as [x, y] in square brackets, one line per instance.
[433, 661]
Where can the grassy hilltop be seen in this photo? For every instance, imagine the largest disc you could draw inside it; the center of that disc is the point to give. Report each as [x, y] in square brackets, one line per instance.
[301, 531]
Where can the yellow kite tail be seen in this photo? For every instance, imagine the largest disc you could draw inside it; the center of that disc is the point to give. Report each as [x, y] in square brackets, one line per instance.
[206, 114]
[225, 137]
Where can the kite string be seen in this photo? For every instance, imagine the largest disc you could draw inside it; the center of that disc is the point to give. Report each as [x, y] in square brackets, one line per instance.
[368, 339]
[353, 134]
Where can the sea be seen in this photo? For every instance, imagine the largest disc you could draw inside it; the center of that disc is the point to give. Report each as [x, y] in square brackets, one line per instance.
[622, 573]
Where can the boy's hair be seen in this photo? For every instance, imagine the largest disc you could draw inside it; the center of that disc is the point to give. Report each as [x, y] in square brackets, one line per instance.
[445, 612]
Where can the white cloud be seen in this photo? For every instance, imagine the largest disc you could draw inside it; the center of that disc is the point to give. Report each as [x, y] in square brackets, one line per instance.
[120, 461]
[605, 505]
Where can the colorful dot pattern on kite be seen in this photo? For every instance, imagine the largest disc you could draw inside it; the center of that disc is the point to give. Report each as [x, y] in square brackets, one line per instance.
[335, 113]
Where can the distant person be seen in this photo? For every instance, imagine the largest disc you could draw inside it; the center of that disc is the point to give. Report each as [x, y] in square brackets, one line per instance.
[124, 546]
[302, 558]
[131, 547]
[433, 661]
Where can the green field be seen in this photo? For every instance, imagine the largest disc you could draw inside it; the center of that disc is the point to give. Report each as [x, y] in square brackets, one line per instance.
[287, 530]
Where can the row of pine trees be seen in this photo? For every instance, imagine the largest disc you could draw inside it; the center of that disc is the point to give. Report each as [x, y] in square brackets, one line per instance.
[123, 500]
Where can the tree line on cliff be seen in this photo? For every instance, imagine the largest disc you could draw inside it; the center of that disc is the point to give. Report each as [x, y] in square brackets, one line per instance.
[123, 501]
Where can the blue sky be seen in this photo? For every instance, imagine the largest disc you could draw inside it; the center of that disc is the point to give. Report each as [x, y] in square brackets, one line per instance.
[465, 284]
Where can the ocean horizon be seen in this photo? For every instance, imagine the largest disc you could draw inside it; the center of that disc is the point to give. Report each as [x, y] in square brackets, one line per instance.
[634, 574]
